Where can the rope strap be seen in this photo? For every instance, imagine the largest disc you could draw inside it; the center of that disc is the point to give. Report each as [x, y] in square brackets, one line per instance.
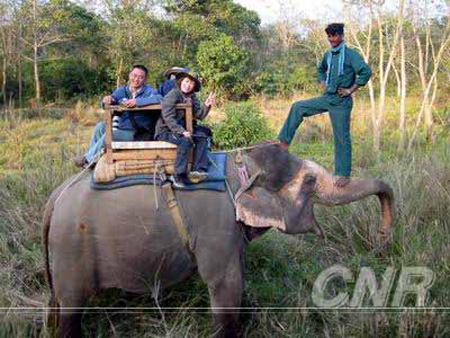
[175, 212]
[247, 185]
[241, 167]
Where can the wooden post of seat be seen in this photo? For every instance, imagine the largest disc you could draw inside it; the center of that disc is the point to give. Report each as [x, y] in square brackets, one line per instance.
[108, 119]
[189, 128]
[189, 123]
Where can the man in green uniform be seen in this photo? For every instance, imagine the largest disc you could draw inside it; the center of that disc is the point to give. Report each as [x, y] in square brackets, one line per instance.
[341, 73]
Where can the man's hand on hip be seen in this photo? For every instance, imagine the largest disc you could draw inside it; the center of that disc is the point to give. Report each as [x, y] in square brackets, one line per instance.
[342, 92]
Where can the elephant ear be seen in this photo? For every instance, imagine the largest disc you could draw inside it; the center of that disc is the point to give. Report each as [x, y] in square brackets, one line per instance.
[260, 208]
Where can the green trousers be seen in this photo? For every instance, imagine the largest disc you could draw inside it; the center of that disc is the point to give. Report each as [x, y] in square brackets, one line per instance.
[339, 109]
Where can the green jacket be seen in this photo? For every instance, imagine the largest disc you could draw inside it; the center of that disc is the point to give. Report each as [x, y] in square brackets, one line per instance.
[356, 70]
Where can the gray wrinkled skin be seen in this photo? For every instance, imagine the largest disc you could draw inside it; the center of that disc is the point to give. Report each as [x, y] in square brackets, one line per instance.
[120, 239]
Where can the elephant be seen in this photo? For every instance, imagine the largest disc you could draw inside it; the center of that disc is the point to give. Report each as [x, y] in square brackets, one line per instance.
[127, 239]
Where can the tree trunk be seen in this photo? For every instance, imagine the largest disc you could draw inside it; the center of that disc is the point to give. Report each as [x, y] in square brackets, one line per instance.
[429, 121]
[428, 113]
[397, 79]
[420, 59]
[426, 108]
[36, 77]
[4, 81]
[365, 51]
[373, 104]
[19, 76]
[378, 119]
[402, 124]
[119, 72]
[384, 71]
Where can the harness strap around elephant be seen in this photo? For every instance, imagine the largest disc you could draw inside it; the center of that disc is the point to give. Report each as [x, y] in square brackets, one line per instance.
[175, 211]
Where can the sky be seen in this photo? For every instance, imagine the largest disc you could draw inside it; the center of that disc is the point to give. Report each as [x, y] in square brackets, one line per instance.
[323, 10]
[271, 10]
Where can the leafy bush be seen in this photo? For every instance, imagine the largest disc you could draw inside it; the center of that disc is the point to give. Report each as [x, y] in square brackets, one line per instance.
[268, 83]
[64, 79]
[303, 78]
[243, 125]
[285, 80]
[223, 64]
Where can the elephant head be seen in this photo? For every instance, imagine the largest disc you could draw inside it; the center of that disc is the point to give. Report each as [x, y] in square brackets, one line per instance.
[285, 190]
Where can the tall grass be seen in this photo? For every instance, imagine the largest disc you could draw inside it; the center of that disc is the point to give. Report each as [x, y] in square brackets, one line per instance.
[35, 156]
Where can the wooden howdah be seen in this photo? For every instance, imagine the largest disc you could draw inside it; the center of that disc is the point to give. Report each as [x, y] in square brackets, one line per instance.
[137, 157]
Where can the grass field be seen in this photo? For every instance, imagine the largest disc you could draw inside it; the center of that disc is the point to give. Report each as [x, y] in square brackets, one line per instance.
[35, 157]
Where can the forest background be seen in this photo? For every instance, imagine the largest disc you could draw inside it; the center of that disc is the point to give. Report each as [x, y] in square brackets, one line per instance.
[58, 58]
[59, 52]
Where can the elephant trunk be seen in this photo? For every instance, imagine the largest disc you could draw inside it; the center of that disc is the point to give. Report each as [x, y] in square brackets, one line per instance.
[328, 194]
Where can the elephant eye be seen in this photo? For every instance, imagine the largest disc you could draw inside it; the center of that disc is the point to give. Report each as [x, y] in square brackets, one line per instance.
[309, 180]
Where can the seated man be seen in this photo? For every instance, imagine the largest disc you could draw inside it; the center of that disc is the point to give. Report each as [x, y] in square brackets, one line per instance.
[136, 94]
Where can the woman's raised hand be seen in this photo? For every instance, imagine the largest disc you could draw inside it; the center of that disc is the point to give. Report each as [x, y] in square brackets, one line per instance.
[210, 100]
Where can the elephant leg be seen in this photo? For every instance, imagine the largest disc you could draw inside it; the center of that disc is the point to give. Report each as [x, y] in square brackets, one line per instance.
[225, 288]
[70, 323]
[225, 301]
[70, 311]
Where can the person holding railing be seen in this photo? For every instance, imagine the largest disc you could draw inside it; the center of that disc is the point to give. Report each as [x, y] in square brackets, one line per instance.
[136, 94]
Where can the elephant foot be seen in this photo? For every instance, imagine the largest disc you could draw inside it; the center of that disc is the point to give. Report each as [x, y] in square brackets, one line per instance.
[230, 330]
[70, 324]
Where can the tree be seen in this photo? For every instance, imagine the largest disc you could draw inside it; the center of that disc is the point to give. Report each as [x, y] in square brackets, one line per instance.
[388, 35]
[198, 21]
[42, 24]
[403, 85]
[223, 64]
[129, 28]
[8, 44]
[430, 51]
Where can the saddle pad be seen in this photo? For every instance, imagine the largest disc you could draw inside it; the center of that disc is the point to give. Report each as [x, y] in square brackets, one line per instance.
[215, 181]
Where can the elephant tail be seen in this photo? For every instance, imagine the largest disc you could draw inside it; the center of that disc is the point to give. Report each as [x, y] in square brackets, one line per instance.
[48, 212]
[52, 314]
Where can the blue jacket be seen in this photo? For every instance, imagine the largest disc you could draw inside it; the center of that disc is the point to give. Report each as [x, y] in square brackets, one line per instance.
[167, 86]
[144, 97]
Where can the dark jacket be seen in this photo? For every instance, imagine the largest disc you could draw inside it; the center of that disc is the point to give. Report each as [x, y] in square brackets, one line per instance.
[173, 120]
[146, 96]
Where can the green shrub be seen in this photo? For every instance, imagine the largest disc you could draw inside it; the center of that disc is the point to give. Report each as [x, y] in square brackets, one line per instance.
[64, 79]
[243, 125]
[268, 83]
[224, 65]
[302, 78]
